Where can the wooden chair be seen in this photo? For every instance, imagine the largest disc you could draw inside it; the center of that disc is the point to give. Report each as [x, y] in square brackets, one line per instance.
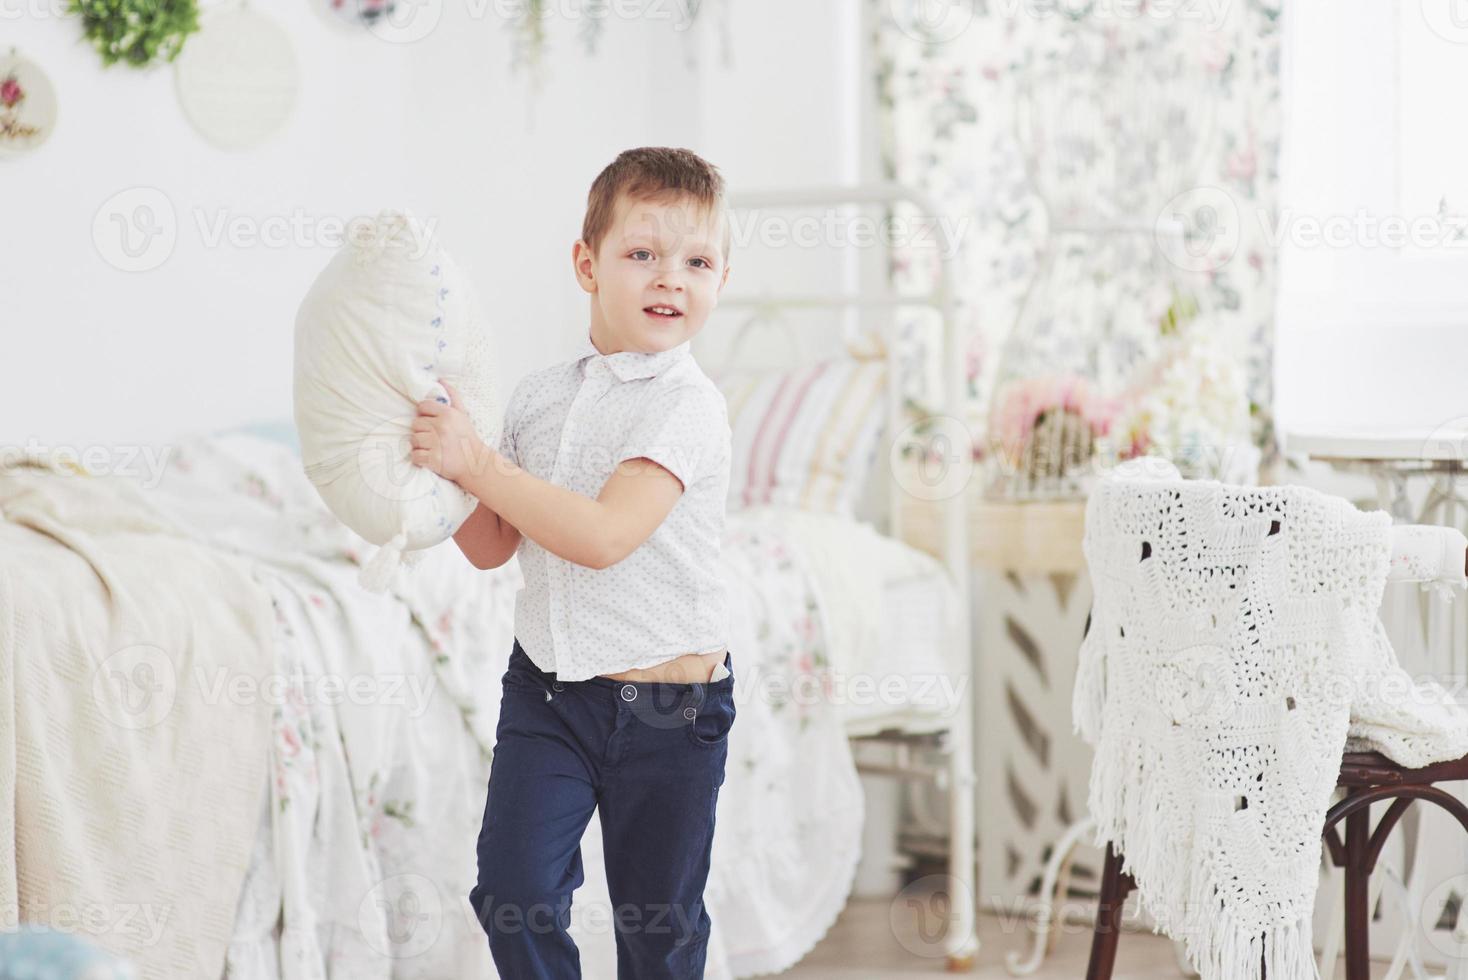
[1366, 777]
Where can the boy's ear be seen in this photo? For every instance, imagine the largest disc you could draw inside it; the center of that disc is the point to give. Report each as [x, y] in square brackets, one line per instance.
[583, 264]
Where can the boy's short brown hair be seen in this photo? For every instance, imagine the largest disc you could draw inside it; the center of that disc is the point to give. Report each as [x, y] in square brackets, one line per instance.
[655, 173]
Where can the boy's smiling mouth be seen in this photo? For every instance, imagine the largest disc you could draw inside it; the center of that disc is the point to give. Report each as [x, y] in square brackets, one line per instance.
[663, 311]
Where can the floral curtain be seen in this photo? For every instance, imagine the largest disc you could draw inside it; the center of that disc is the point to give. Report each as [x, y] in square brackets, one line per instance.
[949, 80]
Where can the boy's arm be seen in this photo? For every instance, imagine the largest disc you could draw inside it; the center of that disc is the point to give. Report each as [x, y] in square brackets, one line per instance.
[665, 451]
[595, 533]
[487, 540]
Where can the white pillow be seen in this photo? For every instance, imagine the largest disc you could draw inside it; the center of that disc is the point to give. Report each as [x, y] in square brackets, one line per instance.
[390, 315]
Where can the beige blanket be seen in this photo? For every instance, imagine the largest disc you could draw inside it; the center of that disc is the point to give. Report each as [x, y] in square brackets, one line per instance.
[133, 738]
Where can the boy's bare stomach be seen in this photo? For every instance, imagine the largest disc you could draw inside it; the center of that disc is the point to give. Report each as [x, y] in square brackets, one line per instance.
[690, 668]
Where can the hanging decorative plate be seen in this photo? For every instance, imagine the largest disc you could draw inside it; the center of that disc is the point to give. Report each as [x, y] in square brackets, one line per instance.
[394, 21]
[238, 78]
[27, 105]
[358, 13]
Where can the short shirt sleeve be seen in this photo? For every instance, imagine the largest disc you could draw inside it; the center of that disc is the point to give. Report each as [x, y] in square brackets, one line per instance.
[682, 430]
[507, 446]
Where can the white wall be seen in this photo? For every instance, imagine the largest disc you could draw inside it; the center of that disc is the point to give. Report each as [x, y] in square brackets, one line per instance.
[95, 355]
[781, 111]
[507, 175]
[790, 108]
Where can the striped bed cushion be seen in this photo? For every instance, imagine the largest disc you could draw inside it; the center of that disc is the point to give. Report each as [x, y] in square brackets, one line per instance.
[806, 436]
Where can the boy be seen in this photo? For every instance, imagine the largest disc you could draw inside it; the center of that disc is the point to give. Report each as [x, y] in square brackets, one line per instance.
[614, 467]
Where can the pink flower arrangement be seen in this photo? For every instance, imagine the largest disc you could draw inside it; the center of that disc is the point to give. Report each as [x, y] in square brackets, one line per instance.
[11, 94]
[1025, 401]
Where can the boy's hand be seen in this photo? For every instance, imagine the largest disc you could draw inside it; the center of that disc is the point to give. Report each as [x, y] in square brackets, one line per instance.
[443, 438]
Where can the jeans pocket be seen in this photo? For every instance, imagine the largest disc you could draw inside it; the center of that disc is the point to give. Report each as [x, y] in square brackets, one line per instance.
[726, 682]
[709, 728]
[515, 682]
[522, 680]
[522, 676]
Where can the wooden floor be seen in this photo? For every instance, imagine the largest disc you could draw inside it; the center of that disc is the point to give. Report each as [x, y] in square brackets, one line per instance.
[864, 944]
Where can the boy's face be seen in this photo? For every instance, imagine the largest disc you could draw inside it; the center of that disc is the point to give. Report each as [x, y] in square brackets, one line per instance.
[653, 257]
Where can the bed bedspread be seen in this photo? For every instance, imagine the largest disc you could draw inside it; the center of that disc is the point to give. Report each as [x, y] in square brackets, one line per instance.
[357, 786]
[382, 729]
[130, 784]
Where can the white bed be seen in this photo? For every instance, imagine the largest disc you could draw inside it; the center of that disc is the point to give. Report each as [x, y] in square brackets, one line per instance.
[363, 851]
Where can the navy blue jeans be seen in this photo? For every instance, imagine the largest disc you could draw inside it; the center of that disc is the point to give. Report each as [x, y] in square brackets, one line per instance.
[649, 758]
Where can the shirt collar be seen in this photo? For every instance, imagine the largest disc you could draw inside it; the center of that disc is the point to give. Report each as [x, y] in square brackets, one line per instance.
[626, 365]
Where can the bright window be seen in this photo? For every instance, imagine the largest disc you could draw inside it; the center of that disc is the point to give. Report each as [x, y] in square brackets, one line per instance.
[1373, 300]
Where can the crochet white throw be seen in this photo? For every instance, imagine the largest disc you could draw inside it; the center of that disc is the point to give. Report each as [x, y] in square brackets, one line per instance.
[1234, 646]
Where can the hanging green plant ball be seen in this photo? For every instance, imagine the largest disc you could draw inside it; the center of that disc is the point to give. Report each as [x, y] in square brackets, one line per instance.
[138, 32]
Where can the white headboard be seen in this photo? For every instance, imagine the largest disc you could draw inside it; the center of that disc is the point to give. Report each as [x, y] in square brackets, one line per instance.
[755, 307]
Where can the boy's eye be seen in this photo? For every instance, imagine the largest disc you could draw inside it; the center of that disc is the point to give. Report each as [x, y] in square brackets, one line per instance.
[641, 251]
[705, 262]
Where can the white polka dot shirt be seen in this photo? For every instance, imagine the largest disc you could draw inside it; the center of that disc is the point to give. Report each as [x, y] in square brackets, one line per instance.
[571, 424]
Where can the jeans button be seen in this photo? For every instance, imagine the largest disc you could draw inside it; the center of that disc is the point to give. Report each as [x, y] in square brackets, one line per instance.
[690, 713]
[628, 692]
[558, 686]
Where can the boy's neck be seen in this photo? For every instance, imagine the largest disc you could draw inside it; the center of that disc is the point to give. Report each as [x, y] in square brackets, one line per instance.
[602, 345]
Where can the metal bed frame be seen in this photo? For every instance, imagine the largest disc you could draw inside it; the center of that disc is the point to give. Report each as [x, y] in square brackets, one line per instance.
[960, 943]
